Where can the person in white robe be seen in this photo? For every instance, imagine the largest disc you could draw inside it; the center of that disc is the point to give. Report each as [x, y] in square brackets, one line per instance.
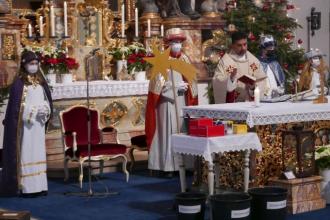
[310, 76]
[161, 119]
[234, 64]
[29, 109]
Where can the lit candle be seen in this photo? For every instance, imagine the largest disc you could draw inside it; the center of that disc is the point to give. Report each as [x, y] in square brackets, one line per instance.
[253, 19]
[29, 30]
[65, 8]
[52, 21]
[41, 26]
[149, 28]
[162, 30]
[122, 20]
[136, 22]
[235, 4]
[256, 96]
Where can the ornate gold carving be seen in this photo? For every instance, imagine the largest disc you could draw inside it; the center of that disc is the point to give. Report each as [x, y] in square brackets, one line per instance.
[219, 38]
[113, 113]
[8, 46]
[140, 106]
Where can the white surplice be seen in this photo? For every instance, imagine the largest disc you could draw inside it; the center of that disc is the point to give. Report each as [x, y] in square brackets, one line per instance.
[161, 156]
[33, 149]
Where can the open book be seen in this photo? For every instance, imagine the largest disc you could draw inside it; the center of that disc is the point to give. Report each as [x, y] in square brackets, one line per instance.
[248, 79]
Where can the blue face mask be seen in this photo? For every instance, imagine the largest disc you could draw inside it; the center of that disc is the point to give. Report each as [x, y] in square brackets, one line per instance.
[176, 47]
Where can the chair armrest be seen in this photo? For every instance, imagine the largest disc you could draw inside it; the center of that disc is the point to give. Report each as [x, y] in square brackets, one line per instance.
[74, 141]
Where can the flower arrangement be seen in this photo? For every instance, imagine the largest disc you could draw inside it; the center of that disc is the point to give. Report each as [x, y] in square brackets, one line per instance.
[53, 58]
[134, 54]
[120, 53]
[135, 62]
[322, 157]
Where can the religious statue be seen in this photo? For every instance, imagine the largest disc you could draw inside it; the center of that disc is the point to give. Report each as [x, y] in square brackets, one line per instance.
[147, 6]
[173, 8]
[209, 6]
[4, 7]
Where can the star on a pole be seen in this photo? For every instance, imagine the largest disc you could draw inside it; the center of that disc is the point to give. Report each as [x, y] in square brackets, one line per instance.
[161, 64]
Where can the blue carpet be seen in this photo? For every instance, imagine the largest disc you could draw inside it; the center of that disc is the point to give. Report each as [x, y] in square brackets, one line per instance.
[143, 197]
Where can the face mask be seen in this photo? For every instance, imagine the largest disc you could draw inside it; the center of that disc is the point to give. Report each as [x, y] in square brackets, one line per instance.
[270, 53]
[316, 62]
[31, 68]
[176, 47]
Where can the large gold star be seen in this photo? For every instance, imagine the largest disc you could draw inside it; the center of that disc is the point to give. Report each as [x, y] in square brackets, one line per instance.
[161, 63]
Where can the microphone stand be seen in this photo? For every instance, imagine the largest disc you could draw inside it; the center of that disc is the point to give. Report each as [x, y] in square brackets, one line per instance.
[90, 192]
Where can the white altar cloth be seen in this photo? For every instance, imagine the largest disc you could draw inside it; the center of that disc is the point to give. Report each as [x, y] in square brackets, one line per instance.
[206, 146]
[266, 113]
[99, 88]
[183, 144]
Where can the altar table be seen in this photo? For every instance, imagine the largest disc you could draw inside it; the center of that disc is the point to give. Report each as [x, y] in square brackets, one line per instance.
[265, 114]
[206, 147]
[268, 162]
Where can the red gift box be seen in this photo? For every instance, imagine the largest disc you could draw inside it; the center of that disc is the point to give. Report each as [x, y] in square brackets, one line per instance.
[208, 131]
[195, 123]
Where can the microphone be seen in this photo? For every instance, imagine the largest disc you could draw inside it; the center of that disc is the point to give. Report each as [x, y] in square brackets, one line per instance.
[94, 51]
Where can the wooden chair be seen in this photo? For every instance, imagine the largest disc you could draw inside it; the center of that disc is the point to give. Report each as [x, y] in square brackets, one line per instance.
[75, 140]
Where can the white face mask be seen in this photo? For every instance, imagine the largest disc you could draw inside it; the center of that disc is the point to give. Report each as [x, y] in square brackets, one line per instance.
[31, 68]
[176, 47]
[316, 62]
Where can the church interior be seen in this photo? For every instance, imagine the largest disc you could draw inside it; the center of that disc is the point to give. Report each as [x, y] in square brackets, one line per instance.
[164, 109]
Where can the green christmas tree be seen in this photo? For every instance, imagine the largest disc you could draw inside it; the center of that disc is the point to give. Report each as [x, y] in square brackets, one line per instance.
[258, 17]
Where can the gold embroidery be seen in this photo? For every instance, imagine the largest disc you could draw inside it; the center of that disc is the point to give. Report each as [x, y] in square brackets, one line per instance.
[33, 80]
[33, 174]
[32, 164]
[19, 135]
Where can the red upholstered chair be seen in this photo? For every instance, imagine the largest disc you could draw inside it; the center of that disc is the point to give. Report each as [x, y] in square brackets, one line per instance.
[139, 143]
[75, 140]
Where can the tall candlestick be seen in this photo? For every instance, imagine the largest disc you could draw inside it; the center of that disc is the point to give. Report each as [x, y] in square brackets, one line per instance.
[136, 23]
[65, 8]
[149, 28]
[29, 30]
[52, 21]
[122, 20]
[41, 26]
[162, 30]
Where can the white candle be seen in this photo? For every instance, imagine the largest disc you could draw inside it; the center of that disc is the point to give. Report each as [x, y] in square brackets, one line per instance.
[136, 22]
[29, 30]
[122, 20]
[149, 28]
[52, 21]
[65, 8]
[41, 26]
[256, 96]
[162, 30]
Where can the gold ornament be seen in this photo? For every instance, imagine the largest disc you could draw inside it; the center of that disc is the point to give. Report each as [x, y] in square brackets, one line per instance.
[162, 63]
